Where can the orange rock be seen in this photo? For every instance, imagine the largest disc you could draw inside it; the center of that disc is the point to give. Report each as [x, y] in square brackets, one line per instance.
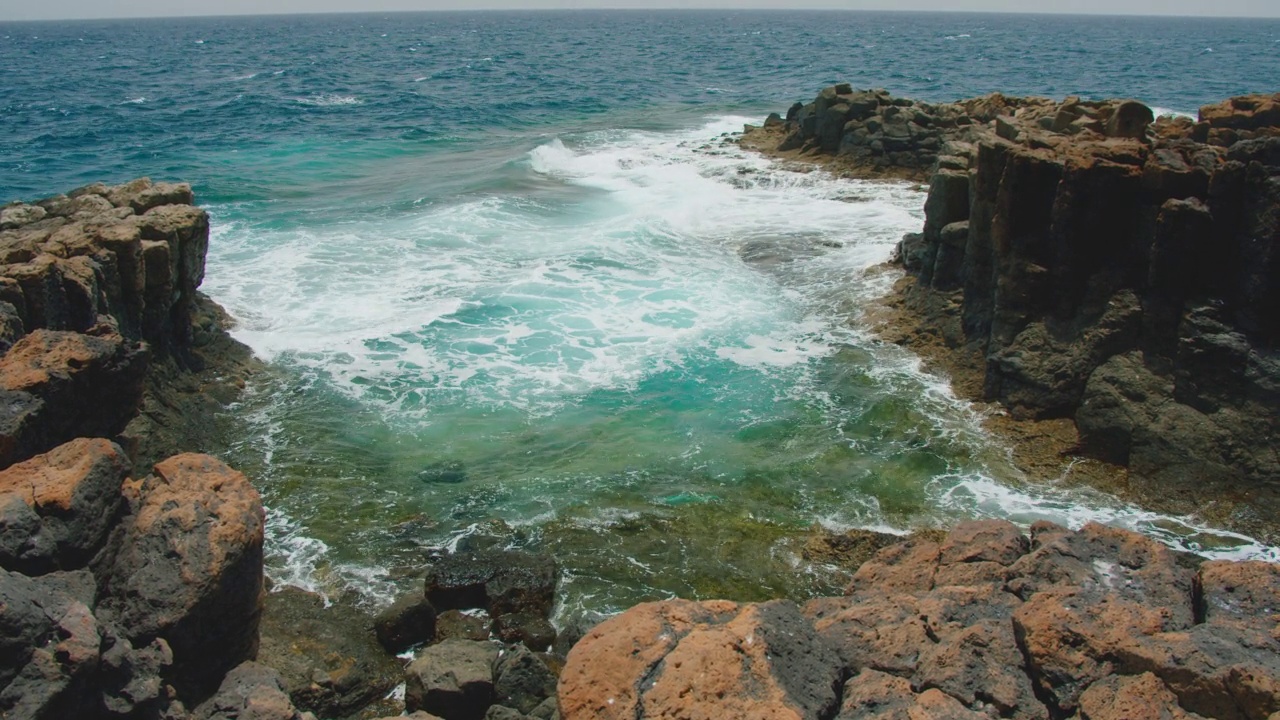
[189, 568]
[1142, 697]
[72, 497]
[680, 659]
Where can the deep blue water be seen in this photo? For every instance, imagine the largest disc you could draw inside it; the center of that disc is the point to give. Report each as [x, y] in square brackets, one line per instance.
[510, 279]
[248, 108]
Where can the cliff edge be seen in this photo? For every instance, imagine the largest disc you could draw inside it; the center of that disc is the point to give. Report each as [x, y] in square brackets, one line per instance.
[1086, 261]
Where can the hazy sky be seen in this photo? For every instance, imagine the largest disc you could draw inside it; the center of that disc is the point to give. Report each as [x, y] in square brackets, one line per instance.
[50, 9]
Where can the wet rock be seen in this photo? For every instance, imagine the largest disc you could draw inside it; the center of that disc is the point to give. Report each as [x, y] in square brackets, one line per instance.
[61, 385]
[457, 625]
[410, 620]
[328, 660]
[454, 679]
[533, 631]
[524, 682]
[499, 581]
[188, 568]
[250, 692]
[56, 509]
[712, 659]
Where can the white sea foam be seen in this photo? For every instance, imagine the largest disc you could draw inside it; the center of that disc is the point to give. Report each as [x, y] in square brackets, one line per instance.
[329, 100]
[1166, 112]
[488, 298]
[678, 246]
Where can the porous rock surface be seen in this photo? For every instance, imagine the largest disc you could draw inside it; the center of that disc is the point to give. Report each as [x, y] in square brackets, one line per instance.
[987, 623]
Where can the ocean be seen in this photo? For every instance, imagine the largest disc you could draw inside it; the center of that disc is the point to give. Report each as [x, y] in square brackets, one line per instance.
[513, 281]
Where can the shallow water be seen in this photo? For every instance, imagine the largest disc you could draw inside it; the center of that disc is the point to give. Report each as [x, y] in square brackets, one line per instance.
[505, 267]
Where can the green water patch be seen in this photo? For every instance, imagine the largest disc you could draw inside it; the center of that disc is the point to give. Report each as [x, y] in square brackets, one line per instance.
[677, 486]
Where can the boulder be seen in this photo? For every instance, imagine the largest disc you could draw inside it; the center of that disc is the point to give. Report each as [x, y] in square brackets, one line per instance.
[533, 631]
[499, 581]
[523, 680]
[712, 659]
[49, 646]
[454, 679]
[250, 692]
[328, 660]
[57, 386]
[410, 620]
[57, 509]
[15, 216]
[457, 625]
[189, 568]
[1130, 120]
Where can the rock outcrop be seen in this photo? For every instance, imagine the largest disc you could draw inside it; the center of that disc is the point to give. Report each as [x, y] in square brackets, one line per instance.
[988, 622]
[125, 591]
[1099, 265]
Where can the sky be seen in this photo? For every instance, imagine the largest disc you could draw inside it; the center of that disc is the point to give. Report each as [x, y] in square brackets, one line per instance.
[66, 9]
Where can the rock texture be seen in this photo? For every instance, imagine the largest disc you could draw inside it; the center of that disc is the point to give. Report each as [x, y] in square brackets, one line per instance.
[1102, 265]
[988, 622]
[124, 592]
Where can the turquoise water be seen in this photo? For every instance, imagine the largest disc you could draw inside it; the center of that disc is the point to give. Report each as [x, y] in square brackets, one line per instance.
[511, 281]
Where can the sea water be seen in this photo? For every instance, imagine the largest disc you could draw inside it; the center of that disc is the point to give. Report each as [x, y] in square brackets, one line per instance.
[513, 279]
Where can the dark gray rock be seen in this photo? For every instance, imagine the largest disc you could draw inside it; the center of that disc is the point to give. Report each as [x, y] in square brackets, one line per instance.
[499, 581]
[410, 621]
[251, 691]
[524, 681]
[453, 679]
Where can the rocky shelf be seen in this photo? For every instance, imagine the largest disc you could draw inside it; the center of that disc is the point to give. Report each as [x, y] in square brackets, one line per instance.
[1085, 262]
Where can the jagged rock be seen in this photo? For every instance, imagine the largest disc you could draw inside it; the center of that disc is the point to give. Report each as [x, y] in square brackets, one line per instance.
[454, 679]
[873, 695]
[713, 659]
[132, 678]
[1142, 697]
[15, 216]
[499, 581]
[457, 625]
[189, 568]
[523, 680]
[60, 385]
[534, 631]
[410, 620]
[328, 660]
[56, 509]
[251, 691]
[49, 646]
[1137, 568]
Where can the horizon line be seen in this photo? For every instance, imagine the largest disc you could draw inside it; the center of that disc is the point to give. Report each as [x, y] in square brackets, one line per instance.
[425, 11]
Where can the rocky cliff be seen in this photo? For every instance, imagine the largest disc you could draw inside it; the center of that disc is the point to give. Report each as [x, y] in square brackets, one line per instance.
[128, 588]
[1084, 260]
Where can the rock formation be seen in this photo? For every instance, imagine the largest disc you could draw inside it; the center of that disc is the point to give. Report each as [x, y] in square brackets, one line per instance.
[126, 590]
[988, 622]
[1098, 265]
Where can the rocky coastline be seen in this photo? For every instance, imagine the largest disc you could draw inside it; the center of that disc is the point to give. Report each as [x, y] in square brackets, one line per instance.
[1089, 268]
[1108, 280]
